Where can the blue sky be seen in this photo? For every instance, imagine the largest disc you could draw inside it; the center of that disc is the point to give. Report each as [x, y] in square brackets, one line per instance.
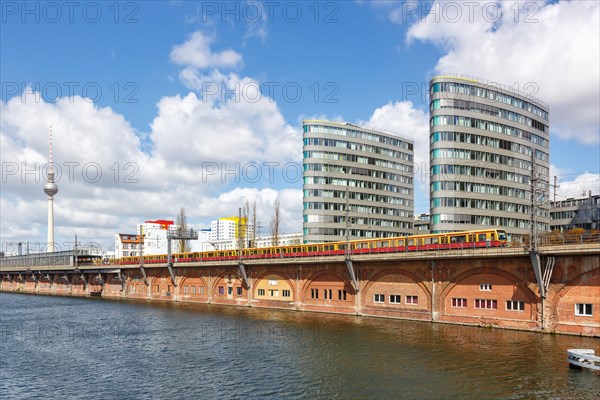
[355, 61]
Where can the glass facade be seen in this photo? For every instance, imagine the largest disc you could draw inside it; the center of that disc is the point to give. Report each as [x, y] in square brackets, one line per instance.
[482, 140]
[358, 183]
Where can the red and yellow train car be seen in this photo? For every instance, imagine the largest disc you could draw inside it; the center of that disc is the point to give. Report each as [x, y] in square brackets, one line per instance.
[428, 242]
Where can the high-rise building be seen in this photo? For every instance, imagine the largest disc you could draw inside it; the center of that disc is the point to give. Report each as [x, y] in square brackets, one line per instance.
[358, 182]
[484, 140]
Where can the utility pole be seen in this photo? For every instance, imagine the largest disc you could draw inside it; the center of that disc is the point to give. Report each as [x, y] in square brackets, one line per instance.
[75, 253]
[533, 224]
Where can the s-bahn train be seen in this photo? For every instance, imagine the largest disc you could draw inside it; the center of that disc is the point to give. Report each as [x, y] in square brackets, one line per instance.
[429, 242]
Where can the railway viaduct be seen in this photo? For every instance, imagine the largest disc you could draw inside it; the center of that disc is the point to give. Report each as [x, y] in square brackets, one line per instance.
[495, 287]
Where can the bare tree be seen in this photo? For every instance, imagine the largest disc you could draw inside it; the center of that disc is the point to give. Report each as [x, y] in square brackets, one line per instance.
[275, 223]
[182, 244]
[244, 225]
[254, 227]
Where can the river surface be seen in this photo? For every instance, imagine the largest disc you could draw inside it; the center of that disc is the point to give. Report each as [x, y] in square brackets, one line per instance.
[69, 347]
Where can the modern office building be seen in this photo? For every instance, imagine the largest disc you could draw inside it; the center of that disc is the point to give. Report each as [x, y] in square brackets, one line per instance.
[483, 142]
[422, 224]
[580, 212]
[358, 182]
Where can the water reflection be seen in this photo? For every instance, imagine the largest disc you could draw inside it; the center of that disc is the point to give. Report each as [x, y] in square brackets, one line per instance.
[132, 349]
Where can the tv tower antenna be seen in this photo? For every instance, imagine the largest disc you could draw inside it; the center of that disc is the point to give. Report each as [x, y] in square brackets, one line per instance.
[50, 188]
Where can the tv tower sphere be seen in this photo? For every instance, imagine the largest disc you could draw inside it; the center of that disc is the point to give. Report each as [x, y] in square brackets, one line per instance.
[50, 188]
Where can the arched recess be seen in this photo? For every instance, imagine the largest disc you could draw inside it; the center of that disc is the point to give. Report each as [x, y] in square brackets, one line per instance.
[229, 286]
[328, 287]
[61, 283]
[161, 286]
[496, 287]
[114, 285]
[136, 287]
[396, 288]
[193, 287]
[30, 284]
[273, 286]
[581, 290]
[77, 284]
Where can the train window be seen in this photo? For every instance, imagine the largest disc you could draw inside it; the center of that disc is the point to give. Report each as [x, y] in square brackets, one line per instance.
[411, 242]
[444, 240]
[458, 239]
[481, 237]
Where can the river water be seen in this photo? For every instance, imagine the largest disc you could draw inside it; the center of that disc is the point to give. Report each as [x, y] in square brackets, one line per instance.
[69, 347]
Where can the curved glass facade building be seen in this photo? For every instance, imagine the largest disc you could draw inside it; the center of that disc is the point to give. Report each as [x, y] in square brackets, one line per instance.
[363, 174]
[482, 140]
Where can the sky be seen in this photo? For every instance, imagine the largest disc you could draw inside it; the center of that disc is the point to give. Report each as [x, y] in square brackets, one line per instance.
[157, 105]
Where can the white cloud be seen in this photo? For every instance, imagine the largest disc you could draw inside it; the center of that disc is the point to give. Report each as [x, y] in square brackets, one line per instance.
[555, 48]
[126, 185]
[579, 186]
[196, 52]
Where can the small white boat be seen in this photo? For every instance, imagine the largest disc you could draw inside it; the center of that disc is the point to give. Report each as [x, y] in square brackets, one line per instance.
[583, 358]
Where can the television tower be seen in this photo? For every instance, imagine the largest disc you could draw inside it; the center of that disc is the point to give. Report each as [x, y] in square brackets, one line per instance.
[50, 188]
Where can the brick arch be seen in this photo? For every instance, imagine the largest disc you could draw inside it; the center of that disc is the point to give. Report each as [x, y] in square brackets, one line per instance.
[139, 286]
[192, 275]
[194, 281]
[396, 282]
[289, 282]
[518, 287]
[235, 275]
[589, 275]
[532, 297]
[335, 283]
[114, 286]
[236, 282]
[563, 304]
[391, 271]
[316, 275]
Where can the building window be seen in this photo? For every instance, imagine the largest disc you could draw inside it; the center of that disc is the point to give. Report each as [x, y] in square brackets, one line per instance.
[459, 302]
[261, 292]
[379, 298]
[486, 304]
[583, 309]
[186, 289]
[327, 294]
[132, 289]
[412, 299]
[201, 289]
[286, 293]
[193, 289]
[314, 293]
[341, 295]
[239, 290]
[514, 305]
[273, 292]
[229, 290]
[395, 298]
[156, 288]
[221, 290]
[485, 287]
